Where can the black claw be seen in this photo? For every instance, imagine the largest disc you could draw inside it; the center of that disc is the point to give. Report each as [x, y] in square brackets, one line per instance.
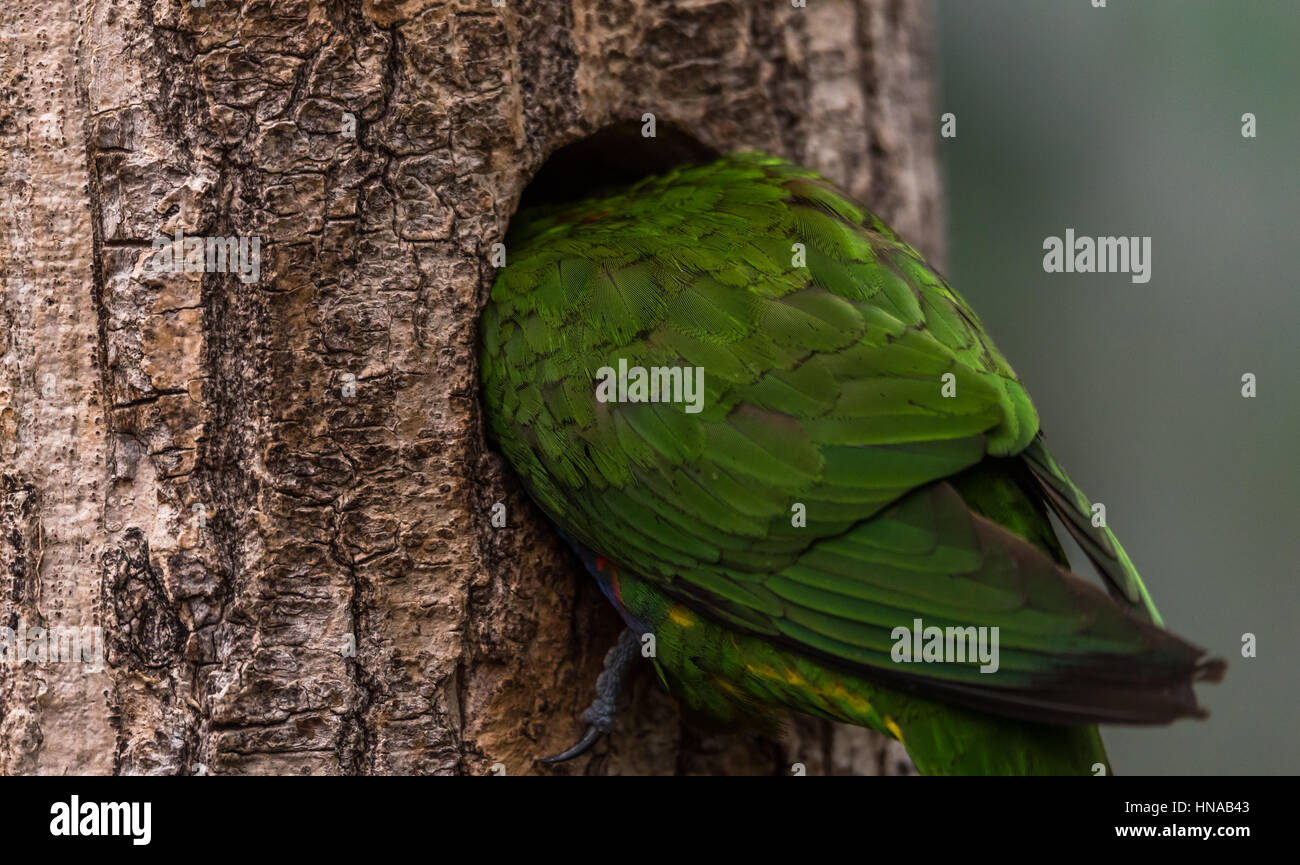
[603, 711]
[588, 739]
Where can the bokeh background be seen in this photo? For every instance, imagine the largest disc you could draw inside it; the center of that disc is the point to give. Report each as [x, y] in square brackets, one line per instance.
[1127, 121]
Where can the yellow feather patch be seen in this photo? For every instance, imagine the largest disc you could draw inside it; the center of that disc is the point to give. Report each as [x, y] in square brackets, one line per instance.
[893, 728]
[680, 615]
[861, 704]
[726, 686]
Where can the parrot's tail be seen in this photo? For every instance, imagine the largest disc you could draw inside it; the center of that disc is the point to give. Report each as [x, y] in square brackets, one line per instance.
[1087, 524]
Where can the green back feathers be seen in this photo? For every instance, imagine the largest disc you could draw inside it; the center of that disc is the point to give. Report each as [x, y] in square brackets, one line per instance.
[696, 268]
[843, 379]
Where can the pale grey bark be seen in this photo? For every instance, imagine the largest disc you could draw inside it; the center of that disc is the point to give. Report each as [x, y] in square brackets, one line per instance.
[185, 464]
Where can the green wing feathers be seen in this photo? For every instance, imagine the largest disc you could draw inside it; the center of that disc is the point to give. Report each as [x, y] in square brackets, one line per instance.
[844, 380]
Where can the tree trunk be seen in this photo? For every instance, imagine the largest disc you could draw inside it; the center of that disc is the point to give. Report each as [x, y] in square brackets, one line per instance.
[236, 482]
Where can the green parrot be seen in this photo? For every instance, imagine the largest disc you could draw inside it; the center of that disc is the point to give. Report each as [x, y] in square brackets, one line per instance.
[807, 479]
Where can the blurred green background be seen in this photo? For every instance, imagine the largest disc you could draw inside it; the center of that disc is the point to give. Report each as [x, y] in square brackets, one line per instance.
[1127, 121]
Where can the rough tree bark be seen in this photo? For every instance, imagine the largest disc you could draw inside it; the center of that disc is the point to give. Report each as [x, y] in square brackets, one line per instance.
[235, 481]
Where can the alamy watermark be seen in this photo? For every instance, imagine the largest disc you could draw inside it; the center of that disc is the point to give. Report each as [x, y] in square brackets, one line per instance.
[652, 384]
[181, 254]
[53, 645]
[1098, 255]
[935, 645]
[74, 817]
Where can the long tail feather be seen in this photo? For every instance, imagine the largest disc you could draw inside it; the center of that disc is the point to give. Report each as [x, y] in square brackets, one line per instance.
[1074, 509]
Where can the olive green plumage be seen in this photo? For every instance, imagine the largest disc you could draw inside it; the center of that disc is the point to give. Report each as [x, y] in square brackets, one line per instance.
[843, 379]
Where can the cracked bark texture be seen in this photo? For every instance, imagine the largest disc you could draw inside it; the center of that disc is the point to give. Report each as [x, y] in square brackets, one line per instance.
[240, 481]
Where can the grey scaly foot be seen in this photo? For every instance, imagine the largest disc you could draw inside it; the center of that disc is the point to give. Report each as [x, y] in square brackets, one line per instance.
[603, 711]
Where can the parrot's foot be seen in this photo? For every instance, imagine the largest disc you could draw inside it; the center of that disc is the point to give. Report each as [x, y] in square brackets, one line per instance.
[603, 711]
